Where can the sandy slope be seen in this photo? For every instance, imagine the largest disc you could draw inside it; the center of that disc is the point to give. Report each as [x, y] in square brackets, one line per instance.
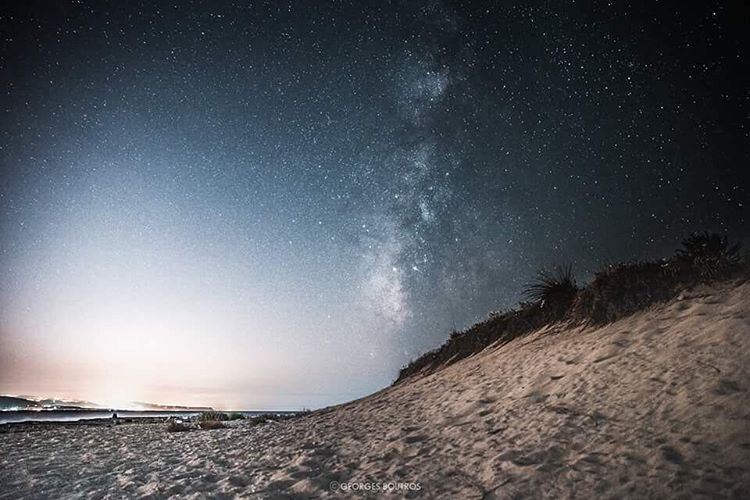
[653, 406]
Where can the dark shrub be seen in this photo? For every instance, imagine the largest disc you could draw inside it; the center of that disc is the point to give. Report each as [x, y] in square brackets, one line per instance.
[213, 416]
[174, 426]
[455, 334]
[621, 289]
[236, 416]
[554, 290]
[707, 256]
[211, 424]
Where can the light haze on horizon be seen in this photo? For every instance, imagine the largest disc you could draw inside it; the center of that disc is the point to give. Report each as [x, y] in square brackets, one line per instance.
[277, 207]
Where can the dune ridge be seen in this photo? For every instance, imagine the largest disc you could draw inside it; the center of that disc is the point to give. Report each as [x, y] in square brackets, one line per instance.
[654, 405]
[616, 291]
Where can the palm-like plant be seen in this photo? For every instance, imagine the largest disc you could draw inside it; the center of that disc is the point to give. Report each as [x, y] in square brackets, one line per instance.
[554, 289]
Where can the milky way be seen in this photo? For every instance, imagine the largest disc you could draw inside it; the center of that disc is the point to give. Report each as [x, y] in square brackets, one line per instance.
[299, 198]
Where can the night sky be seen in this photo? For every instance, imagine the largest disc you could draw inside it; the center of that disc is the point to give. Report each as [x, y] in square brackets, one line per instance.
[278, 204]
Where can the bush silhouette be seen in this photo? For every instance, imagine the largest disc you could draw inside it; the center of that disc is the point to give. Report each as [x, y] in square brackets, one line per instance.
[213, 416]
[616, 291]
[709, 255]
[554, 290]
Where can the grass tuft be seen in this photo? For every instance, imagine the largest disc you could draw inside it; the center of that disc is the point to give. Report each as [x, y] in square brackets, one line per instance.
[554, 290]
[213, 416]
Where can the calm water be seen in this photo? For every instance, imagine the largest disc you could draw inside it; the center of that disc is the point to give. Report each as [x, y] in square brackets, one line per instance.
[74, 415]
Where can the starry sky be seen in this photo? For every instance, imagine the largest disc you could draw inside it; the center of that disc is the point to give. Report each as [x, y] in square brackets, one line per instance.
[278, 204]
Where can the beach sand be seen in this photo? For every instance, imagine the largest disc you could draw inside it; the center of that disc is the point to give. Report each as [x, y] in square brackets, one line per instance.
[653, 406]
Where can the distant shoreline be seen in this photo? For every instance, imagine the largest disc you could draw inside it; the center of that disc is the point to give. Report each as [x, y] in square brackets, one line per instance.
[32, 425]
[97, 417]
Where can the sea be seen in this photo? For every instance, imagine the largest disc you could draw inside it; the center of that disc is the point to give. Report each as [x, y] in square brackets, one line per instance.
[12, 416]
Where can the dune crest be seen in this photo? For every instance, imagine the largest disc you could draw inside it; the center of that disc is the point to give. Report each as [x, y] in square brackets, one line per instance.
[654, 405]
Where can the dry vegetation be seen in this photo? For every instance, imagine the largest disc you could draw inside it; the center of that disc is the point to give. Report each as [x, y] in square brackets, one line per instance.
[209, 420]
[616, 291]
[175, 426]
[211, 424]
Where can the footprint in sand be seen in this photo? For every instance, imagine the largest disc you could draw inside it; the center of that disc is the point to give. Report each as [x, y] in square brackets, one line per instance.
[671, 454]
[239, 481]
[415, 438]
[727, 387]
[534, 457]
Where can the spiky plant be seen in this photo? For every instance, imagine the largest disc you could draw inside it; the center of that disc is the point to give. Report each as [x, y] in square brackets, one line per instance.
[710, 255]
[213, 416]
[553, 289]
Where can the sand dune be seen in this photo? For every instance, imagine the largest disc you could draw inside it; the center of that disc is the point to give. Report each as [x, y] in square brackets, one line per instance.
[653, 406]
